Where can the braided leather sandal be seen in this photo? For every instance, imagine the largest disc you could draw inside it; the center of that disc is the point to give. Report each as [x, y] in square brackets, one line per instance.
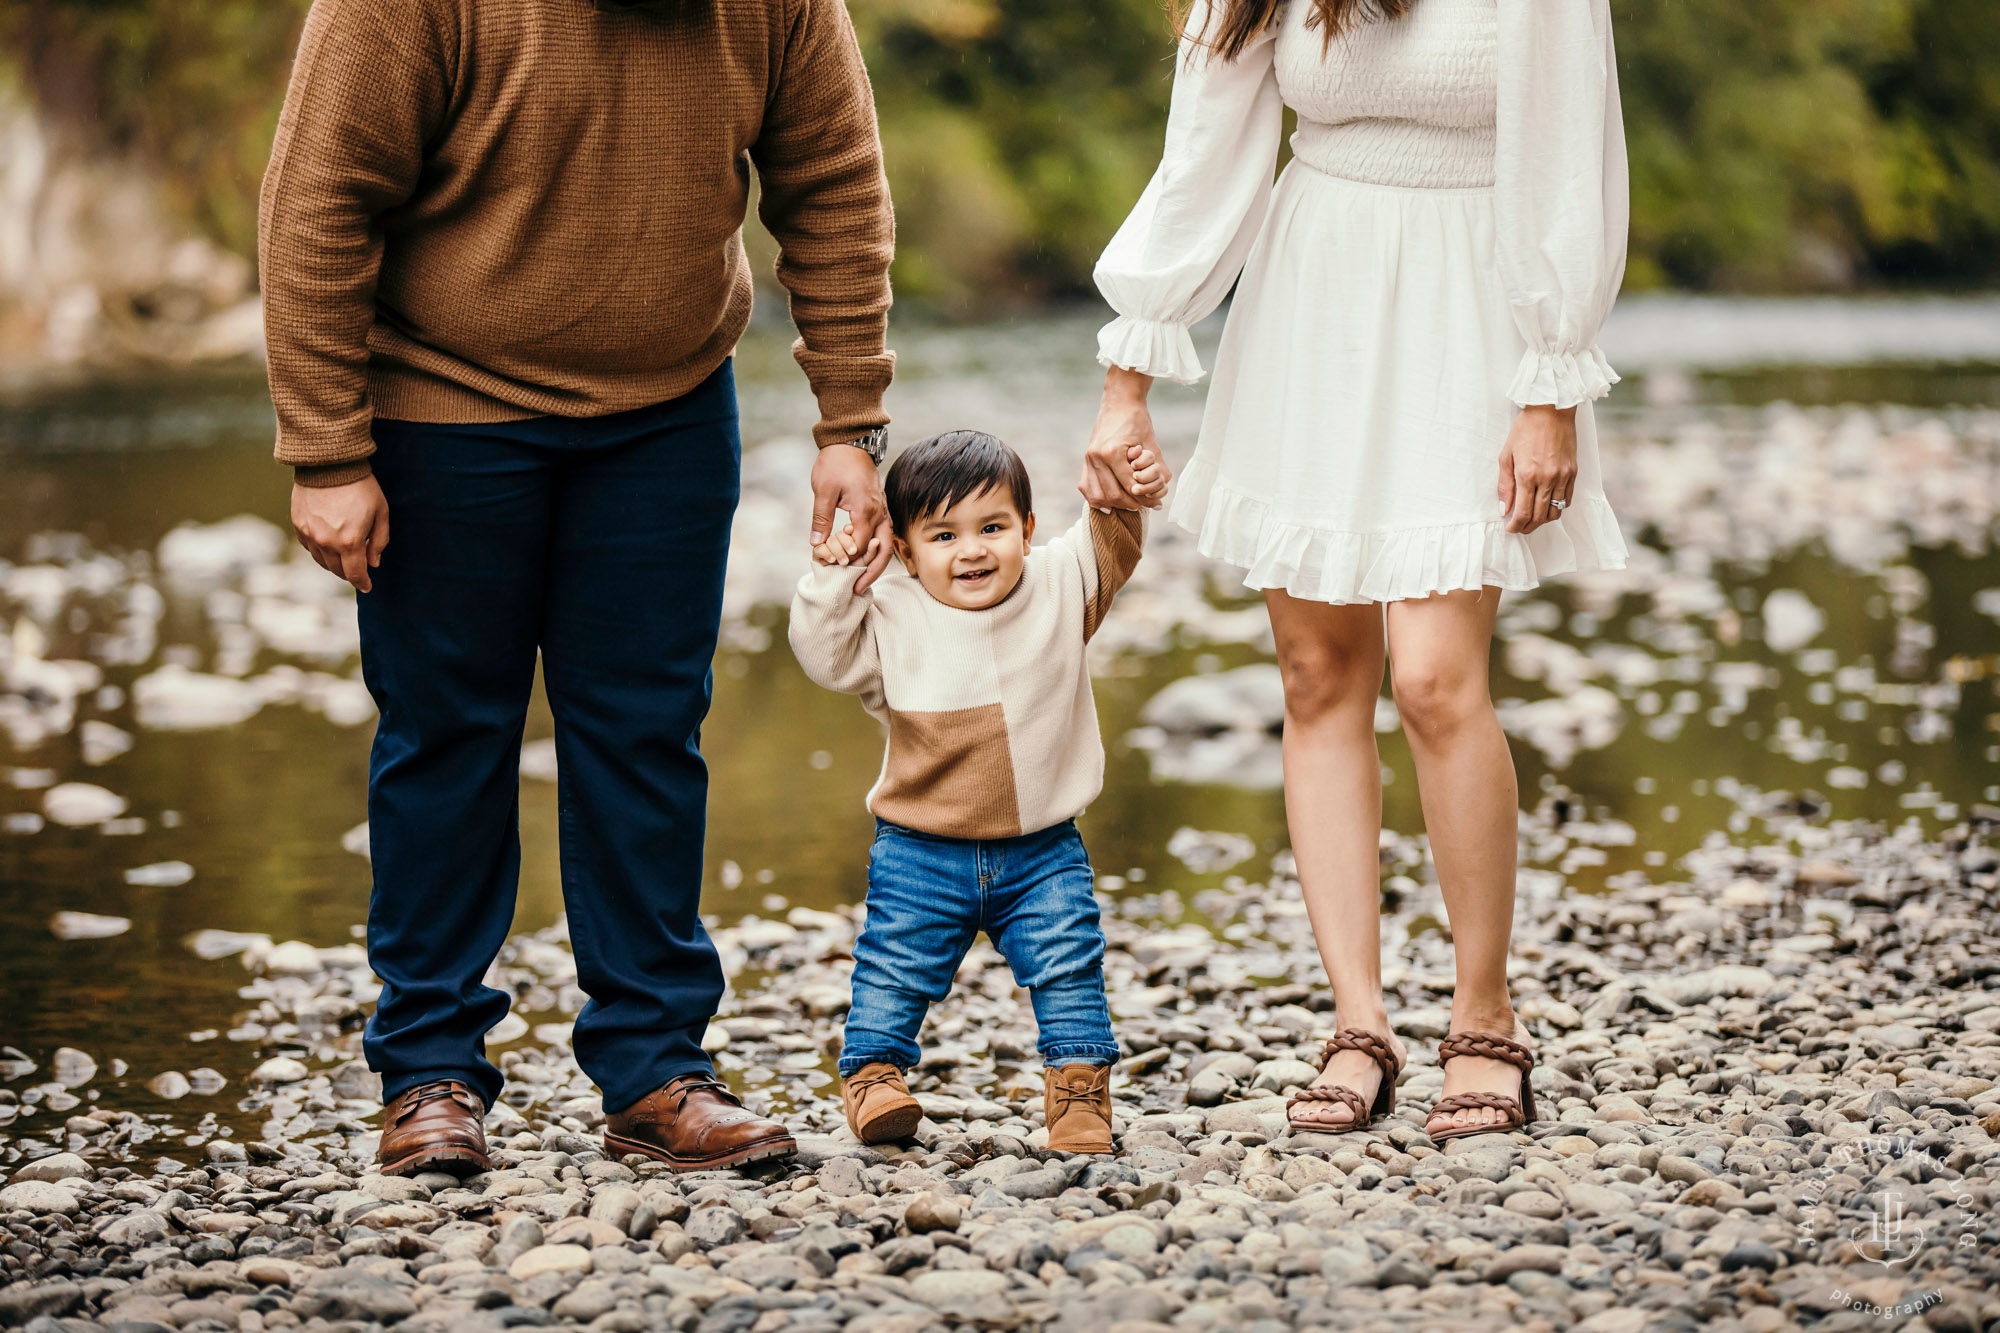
[1520, 1112]
[1377, 1048]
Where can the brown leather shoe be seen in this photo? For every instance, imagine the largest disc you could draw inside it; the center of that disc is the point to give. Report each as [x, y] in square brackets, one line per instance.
[695, 1123]
[1076, 1101]
[879, 1106]
[434, 1127]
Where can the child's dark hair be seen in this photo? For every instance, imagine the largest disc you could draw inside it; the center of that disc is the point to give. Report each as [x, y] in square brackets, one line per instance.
[932, 475]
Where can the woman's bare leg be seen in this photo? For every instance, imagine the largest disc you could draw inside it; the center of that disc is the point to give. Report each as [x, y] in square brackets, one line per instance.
[1438, 651]
[1331, 659]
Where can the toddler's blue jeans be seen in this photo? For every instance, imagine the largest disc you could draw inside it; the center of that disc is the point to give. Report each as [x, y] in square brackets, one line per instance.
[929, 896]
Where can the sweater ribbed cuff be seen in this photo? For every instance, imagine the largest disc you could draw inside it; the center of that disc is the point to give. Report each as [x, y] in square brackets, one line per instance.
[333, 474]
[847, 412]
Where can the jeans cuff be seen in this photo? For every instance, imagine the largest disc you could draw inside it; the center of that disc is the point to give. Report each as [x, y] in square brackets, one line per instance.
[1080, 1053]
[631, 1094]
[849, 1063]
[478, 1080]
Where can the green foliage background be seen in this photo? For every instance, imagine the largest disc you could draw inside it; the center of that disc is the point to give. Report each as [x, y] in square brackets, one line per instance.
[1776, 144]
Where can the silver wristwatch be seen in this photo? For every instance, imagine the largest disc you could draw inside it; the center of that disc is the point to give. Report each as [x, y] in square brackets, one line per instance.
[875, 444]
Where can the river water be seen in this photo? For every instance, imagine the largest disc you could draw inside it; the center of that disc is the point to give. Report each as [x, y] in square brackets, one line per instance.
[1812, 615]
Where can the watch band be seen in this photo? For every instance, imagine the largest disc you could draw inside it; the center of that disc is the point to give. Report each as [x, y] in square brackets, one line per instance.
[875, 444]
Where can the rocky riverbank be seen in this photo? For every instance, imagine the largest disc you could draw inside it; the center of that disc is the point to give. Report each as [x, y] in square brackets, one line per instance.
[1770, 1090]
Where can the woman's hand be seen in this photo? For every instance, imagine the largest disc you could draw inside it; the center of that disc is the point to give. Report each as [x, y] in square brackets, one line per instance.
[1123, 425]
[1537, 466]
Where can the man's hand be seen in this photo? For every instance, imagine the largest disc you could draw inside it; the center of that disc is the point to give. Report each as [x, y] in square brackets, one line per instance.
[1537, 465]
[844, 477]
[1123, 425]
[344, 528]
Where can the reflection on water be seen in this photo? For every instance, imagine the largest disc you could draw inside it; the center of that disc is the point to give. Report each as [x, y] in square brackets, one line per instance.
[1811, 610]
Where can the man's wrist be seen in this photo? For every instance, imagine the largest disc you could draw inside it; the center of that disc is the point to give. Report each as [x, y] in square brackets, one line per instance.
[327, 475]
[874, 443]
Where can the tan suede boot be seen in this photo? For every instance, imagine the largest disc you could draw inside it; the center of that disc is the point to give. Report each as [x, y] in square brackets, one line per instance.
[879, 1106]
[1077, 1102]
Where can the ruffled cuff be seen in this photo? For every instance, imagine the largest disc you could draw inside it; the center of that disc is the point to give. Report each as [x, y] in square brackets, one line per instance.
[1150, 346]
[1562, 379]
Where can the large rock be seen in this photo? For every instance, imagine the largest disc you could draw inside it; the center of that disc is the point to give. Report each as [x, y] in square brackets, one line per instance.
[171, 1085]
[87, 926]
[762, 1269]
[134, 1230]
[1046, 1183]
[588, 1232]
[38, 1196]
[517, 1236]
[933, 1212]
[176, 699]
[395, 1189]
[1526, 1259]
[1283, 1074]
[61, 1166]
[1683, 1170]
[713, 1226]
[549, 1259]
[341, 1294]
[21, 1305]
[1728, 981]
[81, 804]
[591, 1300]
[196, 556]
[615, 1205]
[841, 1178]
[1250, 698]
[280, 1069]
[1588, 1200]
[1264, 1116]
[72, 1068]
[971, 1294]
[1131, 1240]
[293, 958]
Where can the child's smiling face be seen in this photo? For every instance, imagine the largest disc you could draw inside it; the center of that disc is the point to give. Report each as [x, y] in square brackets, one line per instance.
[970, 555]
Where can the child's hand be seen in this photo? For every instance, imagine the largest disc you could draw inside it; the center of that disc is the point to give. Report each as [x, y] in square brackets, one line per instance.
[1150, 477]
[838, 549]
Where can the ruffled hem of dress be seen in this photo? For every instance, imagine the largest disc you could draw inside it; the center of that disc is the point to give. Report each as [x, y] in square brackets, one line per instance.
[1344, 568]
[1561, 379]
[1150, 346]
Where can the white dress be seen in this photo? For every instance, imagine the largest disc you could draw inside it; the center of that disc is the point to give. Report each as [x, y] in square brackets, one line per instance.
[1442, 250]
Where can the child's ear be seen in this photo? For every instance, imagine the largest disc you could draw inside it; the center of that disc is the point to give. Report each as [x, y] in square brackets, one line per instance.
[1028, 529]
[902, 550]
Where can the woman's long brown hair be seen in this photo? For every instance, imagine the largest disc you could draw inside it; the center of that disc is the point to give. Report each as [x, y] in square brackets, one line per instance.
[1244, 19]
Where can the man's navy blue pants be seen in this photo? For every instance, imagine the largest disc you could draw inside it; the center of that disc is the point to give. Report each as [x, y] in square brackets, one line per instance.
[598, 543]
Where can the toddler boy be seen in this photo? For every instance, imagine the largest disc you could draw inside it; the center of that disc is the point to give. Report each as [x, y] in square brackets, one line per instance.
[974, 657]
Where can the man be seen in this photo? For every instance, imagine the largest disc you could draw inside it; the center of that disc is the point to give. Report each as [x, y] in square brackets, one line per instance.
[503, 276]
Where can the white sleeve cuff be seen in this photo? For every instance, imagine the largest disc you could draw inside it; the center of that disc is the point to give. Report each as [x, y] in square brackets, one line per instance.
[1562, 379]
[1151, 347]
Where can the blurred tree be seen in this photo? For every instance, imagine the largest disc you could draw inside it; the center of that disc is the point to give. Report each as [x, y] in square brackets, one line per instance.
[191, 88]
[1776, 145]
[1943, 102]
[1761, 152]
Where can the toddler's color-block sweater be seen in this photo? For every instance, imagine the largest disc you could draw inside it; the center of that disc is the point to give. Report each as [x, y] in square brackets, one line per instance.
[992, 727]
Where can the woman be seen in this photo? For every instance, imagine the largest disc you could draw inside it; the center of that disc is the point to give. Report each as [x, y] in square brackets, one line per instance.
[1399, 430]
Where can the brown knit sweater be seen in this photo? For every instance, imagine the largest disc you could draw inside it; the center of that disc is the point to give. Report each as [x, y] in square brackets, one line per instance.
[485, 210]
